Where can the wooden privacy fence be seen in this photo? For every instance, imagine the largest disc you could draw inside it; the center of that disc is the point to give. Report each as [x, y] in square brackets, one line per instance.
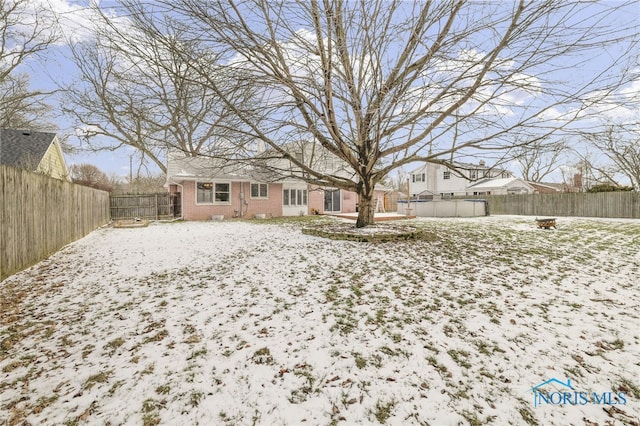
[39, 215]
[145, 206]
[599, 204]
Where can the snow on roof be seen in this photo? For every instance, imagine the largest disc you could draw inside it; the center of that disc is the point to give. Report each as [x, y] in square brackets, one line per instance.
[458, 165]
[181, 167]
[495, 183]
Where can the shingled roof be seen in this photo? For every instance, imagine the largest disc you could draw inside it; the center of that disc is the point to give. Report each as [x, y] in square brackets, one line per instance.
[21, 148]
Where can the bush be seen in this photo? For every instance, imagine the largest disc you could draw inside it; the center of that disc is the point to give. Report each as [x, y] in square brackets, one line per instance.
[606, 187]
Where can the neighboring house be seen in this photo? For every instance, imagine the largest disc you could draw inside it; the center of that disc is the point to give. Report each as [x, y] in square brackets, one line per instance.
[431, 179]
[38, 152]
[211, 188]
[554, 188]
[546, 188]
[500, 186]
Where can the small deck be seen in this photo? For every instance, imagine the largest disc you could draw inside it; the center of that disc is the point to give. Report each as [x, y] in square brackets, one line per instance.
[378, 217]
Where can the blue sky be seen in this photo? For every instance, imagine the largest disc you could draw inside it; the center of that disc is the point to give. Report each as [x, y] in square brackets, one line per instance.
[53, 66]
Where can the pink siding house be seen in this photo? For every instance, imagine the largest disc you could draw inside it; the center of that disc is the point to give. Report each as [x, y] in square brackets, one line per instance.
[210, 189]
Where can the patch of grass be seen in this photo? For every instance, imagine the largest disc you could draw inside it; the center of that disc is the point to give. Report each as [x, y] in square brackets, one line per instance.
[43, 402]
[163, 389]
[361, 362]
[12, 366]
[101, 377]
[442, 369]
[150, 419]
[460, 357]
[628, 386]
[114, 345]
[448, 330]
[331, 295]
[156, 337]
[66, 341]
[148, 369]
[195, 398]
[472, 418]
[302, 393]
[346, 322]
[9, 341]
[115, 387]
[528, 416]
[388, 351]
[192, 339]
[383, 410]
[149, 405]
[195, 354]
[263, 356]
[617, 344]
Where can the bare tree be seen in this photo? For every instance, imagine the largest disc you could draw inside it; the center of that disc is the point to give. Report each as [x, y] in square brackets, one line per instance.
[24, 33]
[141, 91]
[538, 160]
[375, 85]
[621, 145]
[90, 175]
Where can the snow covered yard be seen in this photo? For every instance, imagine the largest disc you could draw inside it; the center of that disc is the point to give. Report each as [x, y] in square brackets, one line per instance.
[255, 323]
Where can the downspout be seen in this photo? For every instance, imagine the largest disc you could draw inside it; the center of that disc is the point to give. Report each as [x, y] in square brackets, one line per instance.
[243, 200]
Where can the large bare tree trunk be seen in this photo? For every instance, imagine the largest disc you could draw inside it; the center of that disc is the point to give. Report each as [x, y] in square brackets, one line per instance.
[366, 207]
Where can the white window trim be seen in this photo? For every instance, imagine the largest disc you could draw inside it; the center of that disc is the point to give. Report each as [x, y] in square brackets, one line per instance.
[446, 175]
[258, 197]
[214, 202]
[306, 191]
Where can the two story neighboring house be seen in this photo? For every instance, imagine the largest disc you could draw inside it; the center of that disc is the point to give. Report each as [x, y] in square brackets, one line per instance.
[211, 187]
[431, 179]
[38, 152]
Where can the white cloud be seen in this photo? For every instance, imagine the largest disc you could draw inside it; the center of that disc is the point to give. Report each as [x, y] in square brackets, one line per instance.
[71, 22]
[620, 107]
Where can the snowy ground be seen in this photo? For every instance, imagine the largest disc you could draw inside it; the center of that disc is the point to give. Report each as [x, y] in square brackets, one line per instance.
[254, 323]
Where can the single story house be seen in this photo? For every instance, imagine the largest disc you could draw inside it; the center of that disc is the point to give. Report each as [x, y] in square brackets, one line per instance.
[38, 152]
[501, 186]
[210, 187]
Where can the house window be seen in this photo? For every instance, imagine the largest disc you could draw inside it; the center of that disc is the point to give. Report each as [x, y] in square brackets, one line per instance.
[213, 192]
[223, 193]
[446, 174]
[473, 174]
[259, 190]
[294, 197]
[205, 192]
[419, 177]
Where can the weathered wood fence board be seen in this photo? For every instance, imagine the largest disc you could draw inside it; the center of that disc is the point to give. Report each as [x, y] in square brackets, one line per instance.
[39, 215]
[145, 206]
[599, 204]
